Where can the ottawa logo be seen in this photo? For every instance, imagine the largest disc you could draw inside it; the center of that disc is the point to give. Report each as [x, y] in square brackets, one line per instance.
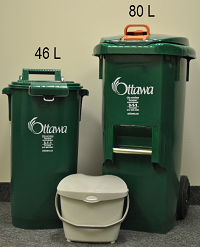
[38, 128]
[122, 88]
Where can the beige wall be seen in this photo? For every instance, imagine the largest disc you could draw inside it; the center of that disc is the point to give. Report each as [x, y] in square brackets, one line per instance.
[74, 28]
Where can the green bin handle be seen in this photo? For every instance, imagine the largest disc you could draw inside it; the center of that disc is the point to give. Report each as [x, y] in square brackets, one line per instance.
[9, 92]
[82, 93]
[26, 72]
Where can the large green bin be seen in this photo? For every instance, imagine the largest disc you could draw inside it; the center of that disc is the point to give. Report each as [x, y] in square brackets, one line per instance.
[44, 144]
[144, 78]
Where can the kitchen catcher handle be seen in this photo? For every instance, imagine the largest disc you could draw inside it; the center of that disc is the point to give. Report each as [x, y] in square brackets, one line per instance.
[91, 226]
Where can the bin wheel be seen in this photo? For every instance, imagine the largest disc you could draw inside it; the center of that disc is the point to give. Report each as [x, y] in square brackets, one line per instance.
[184, 198]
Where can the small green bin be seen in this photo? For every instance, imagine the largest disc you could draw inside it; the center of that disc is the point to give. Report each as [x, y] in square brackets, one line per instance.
[144, 78]
[44, 119]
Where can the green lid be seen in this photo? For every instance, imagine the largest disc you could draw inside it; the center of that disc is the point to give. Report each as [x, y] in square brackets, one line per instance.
[142, 42]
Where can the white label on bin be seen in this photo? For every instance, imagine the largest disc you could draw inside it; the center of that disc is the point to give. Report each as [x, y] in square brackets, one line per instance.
[122, 88]
[47, 145]
[132, 92]
[132, 105]
[47, 132]
[45, 128]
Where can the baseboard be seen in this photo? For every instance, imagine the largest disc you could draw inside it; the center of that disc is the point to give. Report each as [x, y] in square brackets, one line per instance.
[194, 195]
[5, 193]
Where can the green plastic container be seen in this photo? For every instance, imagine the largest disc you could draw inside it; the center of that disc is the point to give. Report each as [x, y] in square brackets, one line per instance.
[144, 78]
[44, 145]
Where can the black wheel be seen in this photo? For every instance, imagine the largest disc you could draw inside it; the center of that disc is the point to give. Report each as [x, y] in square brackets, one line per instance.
[184, 198]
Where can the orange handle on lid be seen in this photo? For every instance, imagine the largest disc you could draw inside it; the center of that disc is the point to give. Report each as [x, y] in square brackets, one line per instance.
[136, 35]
